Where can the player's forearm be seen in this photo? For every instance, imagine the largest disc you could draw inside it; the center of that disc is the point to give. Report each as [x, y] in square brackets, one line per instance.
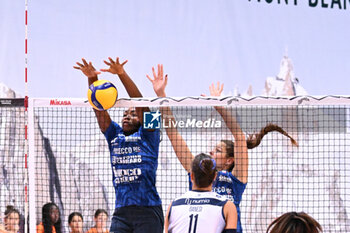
[133, 92]
[129, 85]
[102, 117]
[231, 122]
[179, 145]
[92, 79]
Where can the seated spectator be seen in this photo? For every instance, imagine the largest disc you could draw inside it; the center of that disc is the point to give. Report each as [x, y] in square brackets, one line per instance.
[11, 220]
[2, 229]
[75, 222]
[100, 219]
[293, 222]
[51, 221]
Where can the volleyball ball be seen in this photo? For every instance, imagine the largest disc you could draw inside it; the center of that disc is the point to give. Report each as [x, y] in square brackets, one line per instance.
[102, 95]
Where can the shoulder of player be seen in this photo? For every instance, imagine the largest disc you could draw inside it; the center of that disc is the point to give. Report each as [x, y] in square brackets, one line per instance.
[220, 197]
[152, 134]
[114, 126]
[230, 203]
[148, 130]
[230, 206]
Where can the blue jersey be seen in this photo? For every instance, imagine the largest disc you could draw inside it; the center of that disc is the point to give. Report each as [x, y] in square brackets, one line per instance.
[134, 161]
[229, 186]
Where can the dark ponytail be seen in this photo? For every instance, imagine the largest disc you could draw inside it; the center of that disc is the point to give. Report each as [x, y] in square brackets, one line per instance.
[255, 139]
[204, 170]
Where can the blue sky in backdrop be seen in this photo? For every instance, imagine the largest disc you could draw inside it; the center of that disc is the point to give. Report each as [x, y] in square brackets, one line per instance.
[237, 42]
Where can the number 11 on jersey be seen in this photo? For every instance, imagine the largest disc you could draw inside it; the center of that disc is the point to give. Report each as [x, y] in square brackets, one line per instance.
[194, 224]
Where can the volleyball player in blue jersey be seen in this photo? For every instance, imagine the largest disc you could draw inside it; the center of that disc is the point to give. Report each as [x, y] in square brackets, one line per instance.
[231, 157]
[134, 160]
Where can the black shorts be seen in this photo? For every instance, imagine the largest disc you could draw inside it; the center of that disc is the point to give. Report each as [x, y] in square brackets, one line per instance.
[138, 219]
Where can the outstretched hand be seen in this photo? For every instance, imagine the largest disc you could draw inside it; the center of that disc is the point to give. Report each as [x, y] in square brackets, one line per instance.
[215, 90]
[159, 82]
[87, 68]
[114, 66]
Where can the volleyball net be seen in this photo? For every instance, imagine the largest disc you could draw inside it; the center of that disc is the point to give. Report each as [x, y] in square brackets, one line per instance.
[69, 162]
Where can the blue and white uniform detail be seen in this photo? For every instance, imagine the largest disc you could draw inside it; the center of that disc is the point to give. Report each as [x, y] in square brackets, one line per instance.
[230, 187]
[134, 162]
[197, 211]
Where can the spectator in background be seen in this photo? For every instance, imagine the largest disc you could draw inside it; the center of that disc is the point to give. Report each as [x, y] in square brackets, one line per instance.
[51, 221]
[293, 222]
[100, 218]
[75, 222]
[11, 220]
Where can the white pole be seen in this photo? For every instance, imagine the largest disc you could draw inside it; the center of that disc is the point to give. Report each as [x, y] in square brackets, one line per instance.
[31, 168]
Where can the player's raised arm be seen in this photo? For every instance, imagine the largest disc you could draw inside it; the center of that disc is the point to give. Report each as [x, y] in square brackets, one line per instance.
[115, 67]
[240, 146]
[91, 73]
[181, 149]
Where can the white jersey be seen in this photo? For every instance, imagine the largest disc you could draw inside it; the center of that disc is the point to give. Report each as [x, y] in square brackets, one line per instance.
[197, 212]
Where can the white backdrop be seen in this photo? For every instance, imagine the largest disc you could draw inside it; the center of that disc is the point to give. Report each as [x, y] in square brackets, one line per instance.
[199, 42]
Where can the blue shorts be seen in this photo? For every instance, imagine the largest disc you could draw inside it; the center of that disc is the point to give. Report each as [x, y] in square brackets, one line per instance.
[137, 219]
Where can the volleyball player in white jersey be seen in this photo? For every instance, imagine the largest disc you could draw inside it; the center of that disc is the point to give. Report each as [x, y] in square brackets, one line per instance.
[201, 210]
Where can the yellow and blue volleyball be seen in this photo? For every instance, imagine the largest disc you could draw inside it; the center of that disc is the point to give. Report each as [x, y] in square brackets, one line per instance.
[102, 95]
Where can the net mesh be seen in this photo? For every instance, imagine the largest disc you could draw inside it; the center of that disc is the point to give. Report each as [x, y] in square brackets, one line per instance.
[12, 162]
[73, 163]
